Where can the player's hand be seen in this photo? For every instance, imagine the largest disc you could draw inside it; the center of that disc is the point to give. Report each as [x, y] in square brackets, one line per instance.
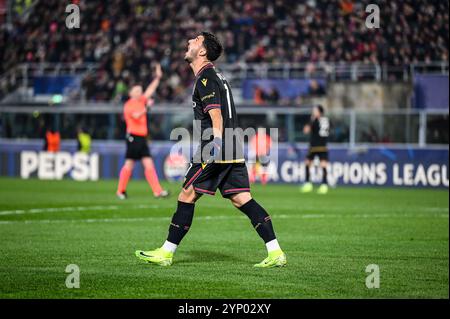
[216, 147]
[306, 129]
[158, 71]
[150, 103]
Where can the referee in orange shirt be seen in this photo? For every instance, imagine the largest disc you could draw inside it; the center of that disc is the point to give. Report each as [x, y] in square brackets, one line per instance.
[135, 114]
[260, 145]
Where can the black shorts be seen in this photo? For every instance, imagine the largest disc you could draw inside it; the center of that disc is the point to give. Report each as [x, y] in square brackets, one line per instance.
[320, 152]
[137, 147]
[228, 178]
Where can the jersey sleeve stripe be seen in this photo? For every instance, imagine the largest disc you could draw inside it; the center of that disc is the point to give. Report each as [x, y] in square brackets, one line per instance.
[211, 106]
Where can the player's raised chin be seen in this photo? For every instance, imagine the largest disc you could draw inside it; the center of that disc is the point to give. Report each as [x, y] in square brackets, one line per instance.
[195, 49]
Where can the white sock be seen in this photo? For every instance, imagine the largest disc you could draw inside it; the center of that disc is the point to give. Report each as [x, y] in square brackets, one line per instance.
[272, 245]
[169, 246]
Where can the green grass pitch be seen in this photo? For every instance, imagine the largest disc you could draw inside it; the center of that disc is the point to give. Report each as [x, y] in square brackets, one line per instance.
[329, 240]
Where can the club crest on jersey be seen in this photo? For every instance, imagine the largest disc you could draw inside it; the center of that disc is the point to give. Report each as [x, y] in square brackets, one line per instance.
[204, 81]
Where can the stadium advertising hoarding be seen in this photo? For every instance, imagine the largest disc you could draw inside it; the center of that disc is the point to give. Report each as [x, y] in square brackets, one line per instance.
[46, 165]
[376, 166]
[362, 166]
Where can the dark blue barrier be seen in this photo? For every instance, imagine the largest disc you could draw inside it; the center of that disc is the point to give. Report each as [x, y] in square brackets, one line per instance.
[287, 88]
[53, 84]
[374, 166]
[431, 91]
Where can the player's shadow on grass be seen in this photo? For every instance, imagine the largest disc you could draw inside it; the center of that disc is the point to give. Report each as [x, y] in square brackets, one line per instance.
[195, 256]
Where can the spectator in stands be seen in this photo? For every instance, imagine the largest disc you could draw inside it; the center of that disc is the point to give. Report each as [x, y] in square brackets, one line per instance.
[89, 87]
[370, 135]
[340, 131]
[259, 95]
[122, 35]
[120, 91]
[273, 96]
[315, 89]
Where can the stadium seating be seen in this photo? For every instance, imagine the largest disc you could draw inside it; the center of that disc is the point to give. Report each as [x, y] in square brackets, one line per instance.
[124, 37]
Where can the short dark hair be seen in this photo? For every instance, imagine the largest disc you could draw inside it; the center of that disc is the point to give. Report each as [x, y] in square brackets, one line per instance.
[321, 109]
[212, 45]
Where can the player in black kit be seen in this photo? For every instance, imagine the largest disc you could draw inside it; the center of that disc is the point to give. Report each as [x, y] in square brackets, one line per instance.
[319, 130]
[219, 161]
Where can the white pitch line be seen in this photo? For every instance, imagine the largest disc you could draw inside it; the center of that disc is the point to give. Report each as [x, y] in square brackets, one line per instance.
[219, 217]
[144, 206]
[71, 209]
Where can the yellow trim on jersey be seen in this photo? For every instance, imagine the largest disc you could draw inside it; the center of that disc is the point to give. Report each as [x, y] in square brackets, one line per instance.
[318, 149]
[235, 161]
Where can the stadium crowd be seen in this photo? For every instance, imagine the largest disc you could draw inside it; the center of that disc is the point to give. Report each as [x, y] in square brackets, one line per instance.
[125, 36]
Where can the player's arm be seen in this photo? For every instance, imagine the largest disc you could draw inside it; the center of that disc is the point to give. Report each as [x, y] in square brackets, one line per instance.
[217, 122]
[129, 114]
[307, 129]
[209, 92]
[136, 115]
[217, 126]
[155, 83]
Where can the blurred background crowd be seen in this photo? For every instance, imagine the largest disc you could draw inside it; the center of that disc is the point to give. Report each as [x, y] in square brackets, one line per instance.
[126, 36]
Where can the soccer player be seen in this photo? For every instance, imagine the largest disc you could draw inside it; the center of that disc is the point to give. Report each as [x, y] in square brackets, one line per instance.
[84, 140]
[135, 114]
[219, 161]
[318, 129]
[52, 141]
